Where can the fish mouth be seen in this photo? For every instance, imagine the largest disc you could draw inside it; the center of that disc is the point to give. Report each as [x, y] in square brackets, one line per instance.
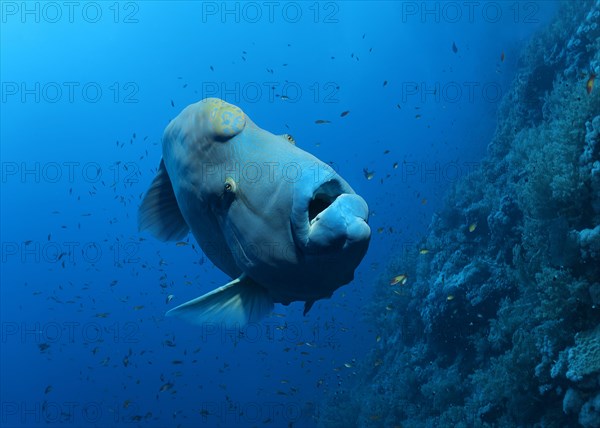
[322, 198]
[328, 215]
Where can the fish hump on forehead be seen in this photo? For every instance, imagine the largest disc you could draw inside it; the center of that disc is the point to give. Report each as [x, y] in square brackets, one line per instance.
[226, 119]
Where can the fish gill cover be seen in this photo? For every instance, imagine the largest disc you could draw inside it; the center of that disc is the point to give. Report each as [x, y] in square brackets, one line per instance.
[498, 323]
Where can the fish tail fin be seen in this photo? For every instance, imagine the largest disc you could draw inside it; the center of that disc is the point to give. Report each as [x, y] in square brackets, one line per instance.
[240, 302]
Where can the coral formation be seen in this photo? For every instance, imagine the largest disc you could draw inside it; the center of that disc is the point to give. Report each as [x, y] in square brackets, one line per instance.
[500, 323]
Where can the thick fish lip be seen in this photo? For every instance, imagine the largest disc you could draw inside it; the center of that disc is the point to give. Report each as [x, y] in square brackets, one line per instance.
[328, 213]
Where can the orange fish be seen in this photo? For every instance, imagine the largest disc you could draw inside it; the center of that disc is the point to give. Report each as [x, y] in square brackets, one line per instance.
[590, 83]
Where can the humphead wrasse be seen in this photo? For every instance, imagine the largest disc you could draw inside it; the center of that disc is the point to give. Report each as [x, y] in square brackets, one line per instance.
[280, 222]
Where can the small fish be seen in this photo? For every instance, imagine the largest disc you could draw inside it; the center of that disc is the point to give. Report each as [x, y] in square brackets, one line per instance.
[181, 244]
[48, 389]
[590, 83]
[450, 297]
[454, 48]
[368, 174]
[347, 365]
[138, 307]
[399, 279]
[169, 298]
[395, 166]
[380, 230]
[172, 103]
[177, 362]
[321, 121]
[345, 113]
[385, 83]
[102, 315]
[502, 57]
[472, 227]
[378, 339]
[417, 116]
[166, 387]
[423, 251]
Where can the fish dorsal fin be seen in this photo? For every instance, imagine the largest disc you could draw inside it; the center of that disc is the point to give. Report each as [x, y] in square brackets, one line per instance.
[238, 302]
[159, 212]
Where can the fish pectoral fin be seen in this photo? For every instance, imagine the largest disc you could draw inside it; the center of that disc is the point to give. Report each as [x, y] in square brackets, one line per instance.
[241, 301]
[159, 212]
[307, 305]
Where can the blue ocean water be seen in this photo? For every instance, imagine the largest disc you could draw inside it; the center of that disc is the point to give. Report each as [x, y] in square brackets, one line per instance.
[87, 90]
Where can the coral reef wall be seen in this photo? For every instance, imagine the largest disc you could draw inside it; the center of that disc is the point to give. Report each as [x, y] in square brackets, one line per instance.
[499, 322]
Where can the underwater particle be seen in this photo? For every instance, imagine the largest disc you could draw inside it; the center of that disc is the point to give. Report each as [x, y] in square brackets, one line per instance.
[368, 174]
[502, 57]
[322, 121]
[126, 403]
[172, 103]
[450, 297]
[385, 83]
[345, 113]
[138, 307]
[177, 362]
[48, 389]
[385, 152]
[423, 251]
[424, 201]
[399, 279]
[102, 315]
[380, 230]
[473, 226]
[417, 116]
[169, 298]
[211, 68]
[454, 48]
[590, 83]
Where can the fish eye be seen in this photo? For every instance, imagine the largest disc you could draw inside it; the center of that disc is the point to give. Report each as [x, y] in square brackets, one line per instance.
[230, 186]
[289, 138]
